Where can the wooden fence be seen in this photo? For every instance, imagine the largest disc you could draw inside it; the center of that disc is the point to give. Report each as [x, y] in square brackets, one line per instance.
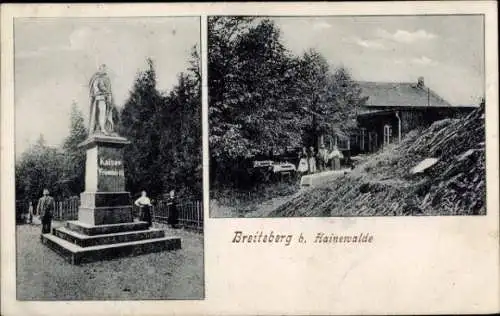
[190, 212]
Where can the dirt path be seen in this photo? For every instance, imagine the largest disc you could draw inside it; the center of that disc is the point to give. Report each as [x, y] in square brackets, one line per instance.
[267, 206]
[44, 275]
[264, 208]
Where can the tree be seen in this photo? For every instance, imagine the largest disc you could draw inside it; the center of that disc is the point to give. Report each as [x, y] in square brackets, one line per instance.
[315, 86]
[329, 98]
[39, 167]
[348, 99]
[138, 123]
[262, 98]
[165, 131]
[74, 164]
[61, 170]
[181, 137]
[223, 33]
[250, 72]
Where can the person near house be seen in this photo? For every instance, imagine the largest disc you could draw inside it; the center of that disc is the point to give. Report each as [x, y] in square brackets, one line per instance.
[335, 157]
[303, 164]
[312, 160]
[144, 204]
[45, 209]
[322, 157]
[173, 212]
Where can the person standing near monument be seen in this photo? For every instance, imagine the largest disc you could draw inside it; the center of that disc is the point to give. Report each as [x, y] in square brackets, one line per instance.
[173, 213]
[30, 212]
[144, 203]
[45, 207]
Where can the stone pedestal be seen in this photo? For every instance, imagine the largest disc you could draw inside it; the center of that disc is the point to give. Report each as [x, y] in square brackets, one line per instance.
[105, 200]
[105, 228]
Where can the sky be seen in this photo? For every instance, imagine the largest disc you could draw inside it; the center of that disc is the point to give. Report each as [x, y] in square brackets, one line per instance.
[54, 59]
[448, 51]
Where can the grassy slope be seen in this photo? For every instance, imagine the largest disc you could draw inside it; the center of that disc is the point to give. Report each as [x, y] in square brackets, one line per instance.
[231, 203]
[381, 184]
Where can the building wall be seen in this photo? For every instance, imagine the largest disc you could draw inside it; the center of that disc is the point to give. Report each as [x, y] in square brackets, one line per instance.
[411, 120]
[370, 136]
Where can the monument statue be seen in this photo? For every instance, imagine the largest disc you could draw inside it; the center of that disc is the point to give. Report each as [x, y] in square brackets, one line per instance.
[105, 228]
[102, 108]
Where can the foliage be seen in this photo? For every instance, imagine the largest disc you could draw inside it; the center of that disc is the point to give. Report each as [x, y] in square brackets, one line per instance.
[264, 98]
[39, 167]
[139, 124]
[61, 170]
[248, 112]
[182, 135]
[165, 149]
[165, 131]
[74, 164]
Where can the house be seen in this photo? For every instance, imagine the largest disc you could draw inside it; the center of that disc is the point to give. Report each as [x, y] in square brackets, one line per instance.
[393, 109]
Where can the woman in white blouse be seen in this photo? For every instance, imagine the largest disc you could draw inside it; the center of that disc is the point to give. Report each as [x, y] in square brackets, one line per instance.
[145, 205]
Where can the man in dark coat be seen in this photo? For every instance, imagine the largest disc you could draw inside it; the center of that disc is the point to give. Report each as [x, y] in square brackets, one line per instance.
[45, 208]
[173, 212]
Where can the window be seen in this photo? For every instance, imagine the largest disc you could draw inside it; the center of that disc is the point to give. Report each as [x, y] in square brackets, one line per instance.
[362, 142]
[387, 134]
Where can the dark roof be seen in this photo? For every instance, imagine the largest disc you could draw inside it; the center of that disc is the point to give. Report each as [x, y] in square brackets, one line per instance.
[400, 94]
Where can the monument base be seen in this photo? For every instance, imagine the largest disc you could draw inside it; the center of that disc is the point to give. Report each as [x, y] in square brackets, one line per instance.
[105, 215]
[105, 228]
[79, 242]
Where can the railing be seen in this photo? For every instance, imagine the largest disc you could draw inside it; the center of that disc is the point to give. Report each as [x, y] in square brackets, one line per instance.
[66, 210]
[21, 208]
[190, 212]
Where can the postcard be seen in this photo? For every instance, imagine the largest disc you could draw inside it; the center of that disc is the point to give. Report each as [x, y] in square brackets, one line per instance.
[250, 158]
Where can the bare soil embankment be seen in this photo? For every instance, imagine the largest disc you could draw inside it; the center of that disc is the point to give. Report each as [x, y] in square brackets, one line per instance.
[382, 185]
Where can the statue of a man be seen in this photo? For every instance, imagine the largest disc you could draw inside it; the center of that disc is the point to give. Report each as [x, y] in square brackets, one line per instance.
[102, 107]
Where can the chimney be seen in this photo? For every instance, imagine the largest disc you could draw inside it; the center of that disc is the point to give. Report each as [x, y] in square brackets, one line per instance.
[420, 82]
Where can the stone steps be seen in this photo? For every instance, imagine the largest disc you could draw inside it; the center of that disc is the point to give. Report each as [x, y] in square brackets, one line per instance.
[76, 254]
[91, 230]
[83, 240]
[105, 228]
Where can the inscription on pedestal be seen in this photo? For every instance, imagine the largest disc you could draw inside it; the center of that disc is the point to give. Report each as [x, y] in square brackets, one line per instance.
[105, 170]
[105, 200]
[110, 170]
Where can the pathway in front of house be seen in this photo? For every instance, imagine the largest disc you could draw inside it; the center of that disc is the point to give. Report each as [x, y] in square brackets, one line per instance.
[306, 183]
[267, 206]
